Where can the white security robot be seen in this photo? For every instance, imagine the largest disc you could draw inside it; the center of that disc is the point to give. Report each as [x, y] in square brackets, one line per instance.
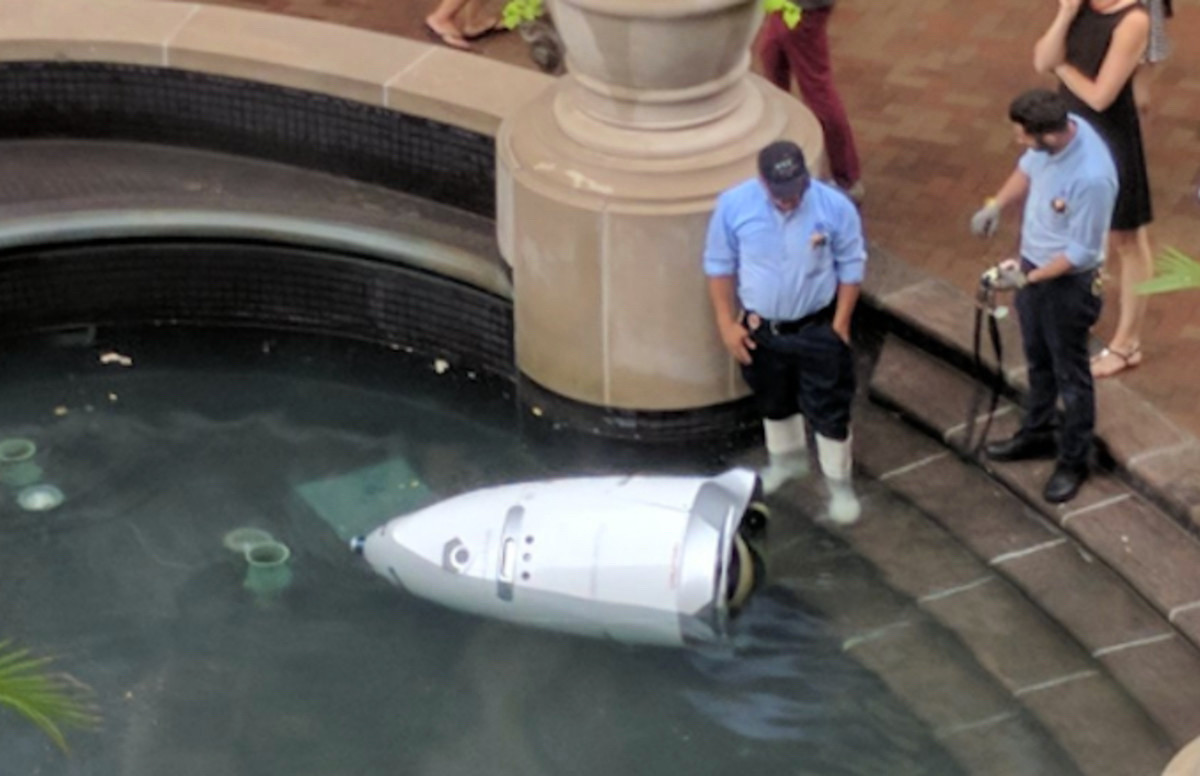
[657, 560]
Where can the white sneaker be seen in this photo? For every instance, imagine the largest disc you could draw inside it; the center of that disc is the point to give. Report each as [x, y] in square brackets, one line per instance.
[782, 468]
[844, 507]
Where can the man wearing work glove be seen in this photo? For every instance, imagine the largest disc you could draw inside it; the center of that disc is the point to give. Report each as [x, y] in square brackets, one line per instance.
[1068, 183]
[986, 220]
[1006, 276]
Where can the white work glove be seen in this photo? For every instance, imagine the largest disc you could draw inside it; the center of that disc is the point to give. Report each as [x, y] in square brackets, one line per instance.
[1005, 276]
[986, 220]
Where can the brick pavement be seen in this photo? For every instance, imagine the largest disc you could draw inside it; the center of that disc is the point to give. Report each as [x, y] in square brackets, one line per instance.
[927, 84]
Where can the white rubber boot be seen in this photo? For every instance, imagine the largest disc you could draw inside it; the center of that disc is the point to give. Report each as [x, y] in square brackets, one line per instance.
[787, 452]
[835, 458]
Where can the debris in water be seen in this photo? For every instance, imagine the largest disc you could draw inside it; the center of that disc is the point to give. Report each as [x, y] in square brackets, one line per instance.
[39, 498]
[113, 357]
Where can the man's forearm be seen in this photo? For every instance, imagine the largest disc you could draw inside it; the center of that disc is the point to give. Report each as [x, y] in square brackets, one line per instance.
[1057, 267]
[1013, 191]
[722, 293]
[847, 299]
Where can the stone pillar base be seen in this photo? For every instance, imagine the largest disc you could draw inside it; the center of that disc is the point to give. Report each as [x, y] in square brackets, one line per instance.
[721, 426]
[606, 239]
[1187, 762]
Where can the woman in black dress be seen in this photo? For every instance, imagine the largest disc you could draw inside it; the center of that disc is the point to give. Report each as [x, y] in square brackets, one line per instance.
[1094, 47]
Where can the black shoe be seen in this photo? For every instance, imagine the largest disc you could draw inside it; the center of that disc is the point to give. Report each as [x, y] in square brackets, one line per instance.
[1064, 483]
[1022, 447]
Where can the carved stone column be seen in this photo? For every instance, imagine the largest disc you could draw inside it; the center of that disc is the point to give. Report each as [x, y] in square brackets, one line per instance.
[605, 186]
[1186, 762]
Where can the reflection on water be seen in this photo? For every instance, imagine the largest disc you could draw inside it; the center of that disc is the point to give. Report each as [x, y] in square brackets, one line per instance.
[129, 583]
[784, 678]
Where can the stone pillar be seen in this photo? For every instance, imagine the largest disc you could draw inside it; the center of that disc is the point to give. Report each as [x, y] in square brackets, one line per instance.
[605, 186]
[1187, 762]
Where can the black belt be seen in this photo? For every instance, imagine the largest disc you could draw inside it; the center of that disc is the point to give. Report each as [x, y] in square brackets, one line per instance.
[777, 327]
[1028, 266]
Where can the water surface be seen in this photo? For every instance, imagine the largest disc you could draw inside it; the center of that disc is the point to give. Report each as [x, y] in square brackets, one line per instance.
[129, 585]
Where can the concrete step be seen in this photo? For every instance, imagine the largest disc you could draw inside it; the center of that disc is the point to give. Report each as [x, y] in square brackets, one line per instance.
[997, 679]
[984, 728]
[1120, 576]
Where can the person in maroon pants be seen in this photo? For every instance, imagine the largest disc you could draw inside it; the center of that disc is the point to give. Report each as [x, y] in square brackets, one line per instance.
[803, 53]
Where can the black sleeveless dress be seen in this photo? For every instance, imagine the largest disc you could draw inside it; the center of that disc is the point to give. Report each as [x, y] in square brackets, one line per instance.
[1088, 39]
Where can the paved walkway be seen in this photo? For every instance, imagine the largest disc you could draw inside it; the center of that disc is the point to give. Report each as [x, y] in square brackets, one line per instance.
[927, 84]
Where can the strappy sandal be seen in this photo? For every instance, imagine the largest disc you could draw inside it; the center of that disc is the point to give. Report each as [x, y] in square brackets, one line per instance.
[1110, 361]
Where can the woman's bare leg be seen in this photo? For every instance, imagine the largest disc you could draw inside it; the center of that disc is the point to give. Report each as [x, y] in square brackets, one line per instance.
[1137, 265]
[441, 21]
[481, 18]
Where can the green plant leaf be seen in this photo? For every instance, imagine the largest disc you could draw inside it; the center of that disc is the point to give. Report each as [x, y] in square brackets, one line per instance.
[48, 700]
[1174, 271]
[791, 15]
[510, 17]
[516, 12]
[788, 9]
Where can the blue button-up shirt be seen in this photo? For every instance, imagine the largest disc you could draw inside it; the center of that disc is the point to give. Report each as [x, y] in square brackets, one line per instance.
[1070, 204]
[788, 265]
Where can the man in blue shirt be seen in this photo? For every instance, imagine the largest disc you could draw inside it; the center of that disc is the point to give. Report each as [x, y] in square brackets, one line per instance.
[1068, 183]
[784, 259]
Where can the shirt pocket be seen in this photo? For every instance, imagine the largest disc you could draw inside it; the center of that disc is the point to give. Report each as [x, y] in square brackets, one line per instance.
[819, 249]
[1060, 209]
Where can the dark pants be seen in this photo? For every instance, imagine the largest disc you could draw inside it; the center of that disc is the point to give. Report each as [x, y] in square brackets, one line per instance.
[810, 372]
[804, 54]
[1055, 319]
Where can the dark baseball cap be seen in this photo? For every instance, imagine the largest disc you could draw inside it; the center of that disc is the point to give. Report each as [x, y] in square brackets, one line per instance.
[782, 167]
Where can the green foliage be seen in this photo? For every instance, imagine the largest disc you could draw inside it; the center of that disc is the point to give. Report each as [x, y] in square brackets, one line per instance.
[517, 12]
[1175, 271]
[790, 11]
[49, 700]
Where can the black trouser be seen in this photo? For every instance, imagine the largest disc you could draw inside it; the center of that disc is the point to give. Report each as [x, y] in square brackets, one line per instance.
[1056, 316]
[809, 371]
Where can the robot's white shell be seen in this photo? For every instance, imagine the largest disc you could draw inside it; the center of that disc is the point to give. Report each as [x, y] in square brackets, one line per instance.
[640, 559]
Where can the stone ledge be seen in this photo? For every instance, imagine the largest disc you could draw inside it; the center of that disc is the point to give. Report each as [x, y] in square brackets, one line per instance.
[382, 70]
[1115, 634]
[1157, 457]
[83, 191]
[1142, 544]
[1187, 762]
[1130, 634]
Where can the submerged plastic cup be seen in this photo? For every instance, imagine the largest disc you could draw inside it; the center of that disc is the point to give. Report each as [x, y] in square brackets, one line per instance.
[241, 539]
[267, 570]
[17, 467]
